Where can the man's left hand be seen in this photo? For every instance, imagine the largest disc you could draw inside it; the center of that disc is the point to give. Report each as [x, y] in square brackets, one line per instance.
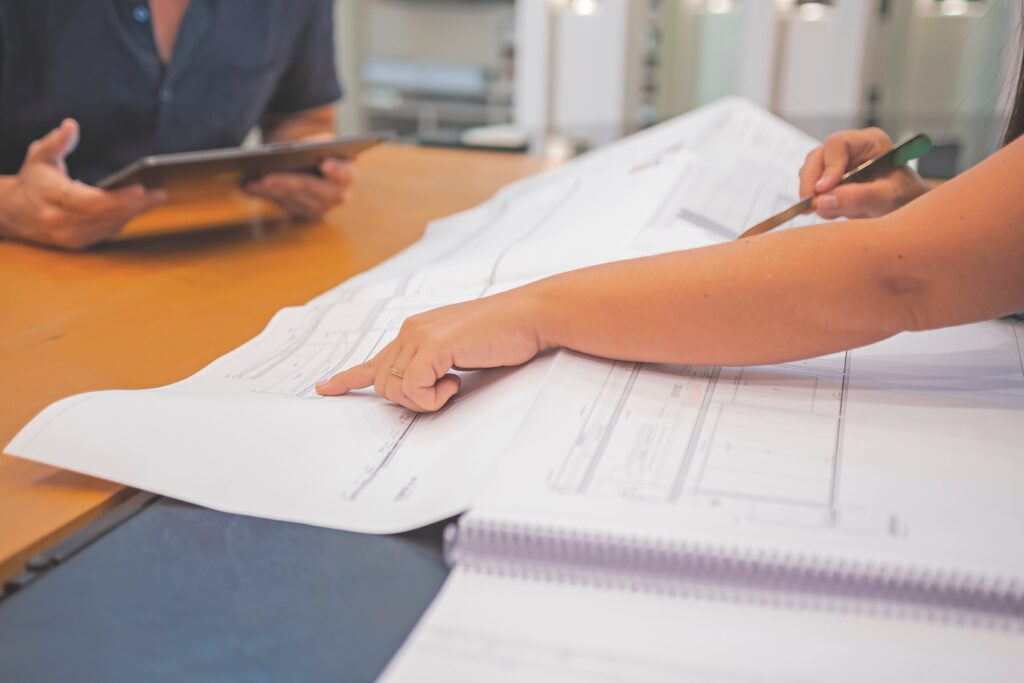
[304, 195]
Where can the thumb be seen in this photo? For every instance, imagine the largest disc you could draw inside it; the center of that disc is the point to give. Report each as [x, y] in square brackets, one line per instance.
[858, 200]
[55, 145]
[445, 388]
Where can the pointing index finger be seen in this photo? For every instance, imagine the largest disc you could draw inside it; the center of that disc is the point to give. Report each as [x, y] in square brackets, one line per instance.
[358, 377]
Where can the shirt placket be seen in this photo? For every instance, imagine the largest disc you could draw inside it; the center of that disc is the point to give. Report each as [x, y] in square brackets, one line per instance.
[194, 26]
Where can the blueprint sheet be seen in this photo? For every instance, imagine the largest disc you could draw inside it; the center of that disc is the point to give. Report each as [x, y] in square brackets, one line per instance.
[248, 434]
[905, 453]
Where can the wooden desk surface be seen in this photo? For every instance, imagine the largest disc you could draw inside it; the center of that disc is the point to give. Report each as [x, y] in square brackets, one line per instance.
[150, 312]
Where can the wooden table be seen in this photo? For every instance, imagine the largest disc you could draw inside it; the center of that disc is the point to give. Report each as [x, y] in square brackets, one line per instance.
[149, 312]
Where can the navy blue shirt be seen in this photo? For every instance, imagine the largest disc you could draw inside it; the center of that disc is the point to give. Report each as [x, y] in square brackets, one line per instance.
[233, 62]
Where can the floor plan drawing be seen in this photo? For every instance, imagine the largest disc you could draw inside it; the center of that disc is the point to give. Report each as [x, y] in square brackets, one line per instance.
[765, 439]
[767, 447]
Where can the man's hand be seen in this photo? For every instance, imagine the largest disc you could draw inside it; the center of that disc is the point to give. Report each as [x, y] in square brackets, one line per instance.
[844, 151]
[304, 195]
[42, 204]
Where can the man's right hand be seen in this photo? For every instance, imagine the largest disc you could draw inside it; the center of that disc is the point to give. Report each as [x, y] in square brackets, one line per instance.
[844, 151]
[42, 204]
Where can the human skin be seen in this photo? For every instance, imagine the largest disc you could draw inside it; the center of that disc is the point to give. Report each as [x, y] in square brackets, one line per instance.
[43, 204]
[952, 256]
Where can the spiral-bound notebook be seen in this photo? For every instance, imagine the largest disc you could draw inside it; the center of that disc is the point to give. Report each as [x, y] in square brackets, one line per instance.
[563, 603]
[783, 524]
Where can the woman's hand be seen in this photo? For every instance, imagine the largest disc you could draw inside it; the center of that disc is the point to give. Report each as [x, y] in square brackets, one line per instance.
[42, 204]
[844, 151]
[414, 369]
[304, 195]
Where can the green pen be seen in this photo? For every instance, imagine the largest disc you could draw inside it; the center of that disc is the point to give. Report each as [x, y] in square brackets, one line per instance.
[883, 164]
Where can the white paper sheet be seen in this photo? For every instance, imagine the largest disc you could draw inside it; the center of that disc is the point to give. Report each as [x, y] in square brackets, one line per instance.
[247, 434]
[907, 452]
[496, 629]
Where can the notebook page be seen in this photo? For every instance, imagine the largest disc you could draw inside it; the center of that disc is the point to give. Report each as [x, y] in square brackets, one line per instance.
[485, 627]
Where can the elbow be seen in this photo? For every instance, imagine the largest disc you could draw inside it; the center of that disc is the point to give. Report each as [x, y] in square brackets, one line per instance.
[905, 289]
[896, 292]
[907, 296]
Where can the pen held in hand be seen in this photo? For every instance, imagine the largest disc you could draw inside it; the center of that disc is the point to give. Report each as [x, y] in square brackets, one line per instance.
[883, 164]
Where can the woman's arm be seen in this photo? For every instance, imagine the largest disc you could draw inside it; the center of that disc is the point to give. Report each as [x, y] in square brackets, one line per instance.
[955, 255]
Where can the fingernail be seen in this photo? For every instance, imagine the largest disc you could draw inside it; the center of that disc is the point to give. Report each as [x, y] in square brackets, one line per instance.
[828, 202]
[323, 381]
[823, 183]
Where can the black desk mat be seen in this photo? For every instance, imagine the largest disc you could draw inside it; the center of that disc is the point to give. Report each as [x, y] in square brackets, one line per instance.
[182, 593]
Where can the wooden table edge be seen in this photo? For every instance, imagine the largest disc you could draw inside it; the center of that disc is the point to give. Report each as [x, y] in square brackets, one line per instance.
[107, 494]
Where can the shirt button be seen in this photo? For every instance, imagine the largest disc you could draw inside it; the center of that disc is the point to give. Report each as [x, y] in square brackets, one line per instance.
[140, 14]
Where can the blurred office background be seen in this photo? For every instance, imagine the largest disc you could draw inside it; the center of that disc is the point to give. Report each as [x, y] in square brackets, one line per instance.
[590, 71]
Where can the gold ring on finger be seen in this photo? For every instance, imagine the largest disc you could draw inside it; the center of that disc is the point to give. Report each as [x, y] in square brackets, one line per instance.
[396, 372]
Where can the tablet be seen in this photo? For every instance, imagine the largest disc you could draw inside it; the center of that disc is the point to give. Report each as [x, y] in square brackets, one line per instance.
[189, 176]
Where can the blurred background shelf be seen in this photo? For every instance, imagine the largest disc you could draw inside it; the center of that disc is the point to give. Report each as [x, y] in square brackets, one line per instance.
[426, 67]
[591, 71]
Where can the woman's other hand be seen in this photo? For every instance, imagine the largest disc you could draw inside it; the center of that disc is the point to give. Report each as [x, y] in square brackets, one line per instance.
[844, 151]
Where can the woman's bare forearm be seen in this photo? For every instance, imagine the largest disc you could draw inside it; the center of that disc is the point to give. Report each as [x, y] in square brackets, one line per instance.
[794, 294]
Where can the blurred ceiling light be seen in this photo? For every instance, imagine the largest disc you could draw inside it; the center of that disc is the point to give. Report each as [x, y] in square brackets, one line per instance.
[954, 8]
[812, 11]
[580, 8]
[720, 6]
